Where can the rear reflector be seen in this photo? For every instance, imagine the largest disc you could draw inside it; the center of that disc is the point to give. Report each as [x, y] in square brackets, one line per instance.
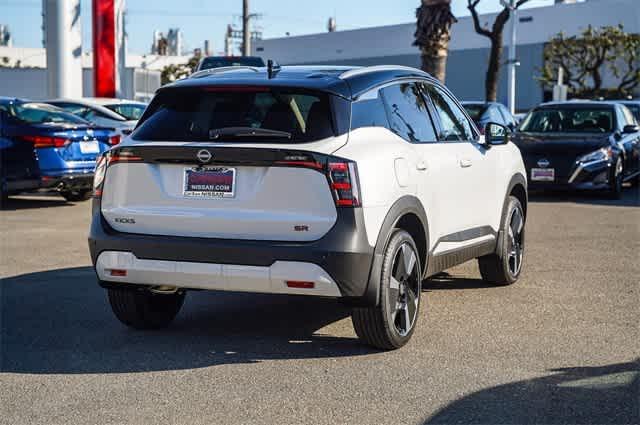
[118, 272]
[300, 284]
[114, 140]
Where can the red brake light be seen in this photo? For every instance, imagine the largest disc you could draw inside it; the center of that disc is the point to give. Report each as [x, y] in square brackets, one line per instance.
[46, 141]
[343, 178]
[114, 140]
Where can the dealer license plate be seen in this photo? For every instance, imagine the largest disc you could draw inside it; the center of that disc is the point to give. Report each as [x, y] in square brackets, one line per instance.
[209, 182]
[543, 174]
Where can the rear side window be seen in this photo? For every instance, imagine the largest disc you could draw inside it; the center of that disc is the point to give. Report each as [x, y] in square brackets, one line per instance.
[368, 113]
[204, 113]
[408, 113]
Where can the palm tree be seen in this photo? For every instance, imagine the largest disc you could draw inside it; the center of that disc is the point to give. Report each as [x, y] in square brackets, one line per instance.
[433, 32]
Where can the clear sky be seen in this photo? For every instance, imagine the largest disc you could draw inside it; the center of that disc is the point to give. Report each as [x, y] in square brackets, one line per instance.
[207, 19]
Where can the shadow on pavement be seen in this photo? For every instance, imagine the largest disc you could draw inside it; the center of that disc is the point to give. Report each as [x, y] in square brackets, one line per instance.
[59, 321]
[33, 202]
[630, 197]
[580, 395]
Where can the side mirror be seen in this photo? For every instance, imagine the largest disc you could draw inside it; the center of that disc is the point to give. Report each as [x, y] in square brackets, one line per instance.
[631, 128]
[496, 134]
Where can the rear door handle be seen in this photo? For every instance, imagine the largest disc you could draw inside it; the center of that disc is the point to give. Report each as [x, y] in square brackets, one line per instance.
[421, 165]
[464, 163]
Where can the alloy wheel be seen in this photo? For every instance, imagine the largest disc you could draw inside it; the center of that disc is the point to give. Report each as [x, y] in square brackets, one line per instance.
[404, 289]
[515, 248]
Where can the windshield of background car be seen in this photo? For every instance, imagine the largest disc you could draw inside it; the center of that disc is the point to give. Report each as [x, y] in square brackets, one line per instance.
[40, 113]
[635, 110]
[194, 114]
[475, 111]
[569, 120]
[209, 63]
[130, 111]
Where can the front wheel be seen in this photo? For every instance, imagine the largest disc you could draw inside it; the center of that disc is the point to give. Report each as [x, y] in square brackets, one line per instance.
[76, 195]
[143, 309]
[615, 191]
[390, 324]
[504, 267]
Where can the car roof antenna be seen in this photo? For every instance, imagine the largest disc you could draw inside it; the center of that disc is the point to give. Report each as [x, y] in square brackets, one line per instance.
[272, 68]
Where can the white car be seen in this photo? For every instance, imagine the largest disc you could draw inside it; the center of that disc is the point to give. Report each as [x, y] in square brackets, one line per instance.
[350, 183]
[121, 115]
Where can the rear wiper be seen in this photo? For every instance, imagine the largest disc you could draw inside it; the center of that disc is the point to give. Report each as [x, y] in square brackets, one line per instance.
[216, 133]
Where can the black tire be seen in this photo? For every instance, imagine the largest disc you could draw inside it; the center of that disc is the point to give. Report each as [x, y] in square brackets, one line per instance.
[76, 195]
[143, 309]
[504, 267]
[385, 325]
[615, 190]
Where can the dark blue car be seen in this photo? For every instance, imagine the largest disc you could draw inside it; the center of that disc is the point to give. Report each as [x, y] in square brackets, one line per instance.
[41, 146]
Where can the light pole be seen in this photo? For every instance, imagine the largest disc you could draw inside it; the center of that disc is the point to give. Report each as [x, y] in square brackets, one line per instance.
[512, 61]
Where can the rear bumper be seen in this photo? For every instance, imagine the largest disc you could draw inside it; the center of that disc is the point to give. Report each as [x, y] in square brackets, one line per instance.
[343, 254]
[68, 181]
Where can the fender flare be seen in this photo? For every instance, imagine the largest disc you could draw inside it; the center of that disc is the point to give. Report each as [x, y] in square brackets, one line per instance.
[407, 204]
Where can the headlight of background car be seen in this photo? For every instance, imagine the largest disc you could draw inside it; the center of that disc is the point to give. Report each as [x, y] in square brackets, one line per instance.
[603, 154]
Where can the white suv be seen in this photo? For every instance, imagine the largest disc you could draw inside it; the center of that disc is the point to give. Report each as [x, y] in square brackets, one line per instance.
[353, 183]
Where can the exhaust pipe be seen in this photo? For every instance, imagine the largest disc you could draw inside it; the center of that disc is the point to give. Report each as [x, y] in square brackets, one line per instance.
[164, 289]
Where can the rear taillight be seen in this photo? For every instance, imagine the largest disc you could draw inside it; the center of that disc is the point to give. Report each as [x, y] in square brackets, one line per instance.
[98, 175]
[343, 179]
[46, 141]
[114, 140]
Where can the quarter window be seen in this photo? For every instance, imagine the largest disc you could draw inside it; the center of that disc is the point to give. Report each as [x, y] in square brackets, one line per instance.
[407, 112]
[454, 125]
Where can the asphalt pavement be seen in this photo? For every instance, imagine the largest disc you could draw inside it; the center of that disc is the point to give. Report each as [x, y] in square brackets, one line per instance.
[562, 345]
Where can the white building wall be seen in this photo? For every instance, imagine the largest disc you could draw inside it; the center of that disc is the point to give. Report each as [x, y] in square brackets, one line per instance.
[395, 40]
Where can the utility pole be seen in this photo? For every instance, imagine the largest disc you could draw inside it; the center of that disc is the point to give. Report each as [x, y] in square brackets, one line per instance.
[246, 32]
[513, 63]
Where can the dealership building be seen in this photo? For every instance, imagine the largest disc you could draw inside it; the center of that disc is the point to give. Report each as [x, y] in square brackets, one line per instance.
[468, 51]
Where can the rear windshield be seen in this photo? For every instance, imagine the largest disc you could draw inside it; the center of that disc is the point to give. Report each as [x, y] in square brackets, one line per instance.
[569, 120]
[204, 114]
[218, 62]
[41, 113]
[475, 111]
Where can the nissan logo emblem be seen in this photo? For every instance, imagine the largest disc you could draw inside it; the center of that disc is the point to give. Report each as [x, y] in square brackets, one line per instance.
[204, 155]
[544, 163]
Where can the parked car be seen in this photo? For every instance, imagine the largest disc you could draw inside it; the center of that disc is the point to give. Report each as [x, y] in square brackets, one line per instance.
[19, 169]
[211, 62]
[130, 109]
[96, 113]
[484, 112]
[350, 183]
[584, 145]
[65, 145]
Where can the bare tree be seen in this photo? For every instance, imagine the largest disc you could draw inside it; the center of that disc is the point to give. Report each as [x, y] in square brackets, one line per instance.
[495, 37]
[433, 32]
[584, 59]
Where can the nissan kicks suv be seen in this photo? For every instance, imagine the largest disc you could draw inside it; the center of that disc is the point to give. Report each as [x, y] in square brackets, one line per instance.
[340, 182]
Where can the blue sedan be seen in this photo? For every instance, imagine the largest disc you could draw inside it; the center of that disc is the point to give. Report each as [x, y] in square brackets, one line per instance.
[44, 147]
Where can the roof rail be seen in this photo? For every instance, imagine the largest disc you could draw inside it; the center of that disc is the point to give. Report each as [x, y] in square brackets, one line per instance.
[220, 70]
[377, 68]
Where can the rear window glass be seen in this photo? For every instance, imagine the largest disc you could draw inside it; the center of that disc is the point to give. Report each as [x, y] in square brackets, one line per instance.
[41, 113]
[218, 62]
[569, 120]
[475, 111]
[212, 113]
